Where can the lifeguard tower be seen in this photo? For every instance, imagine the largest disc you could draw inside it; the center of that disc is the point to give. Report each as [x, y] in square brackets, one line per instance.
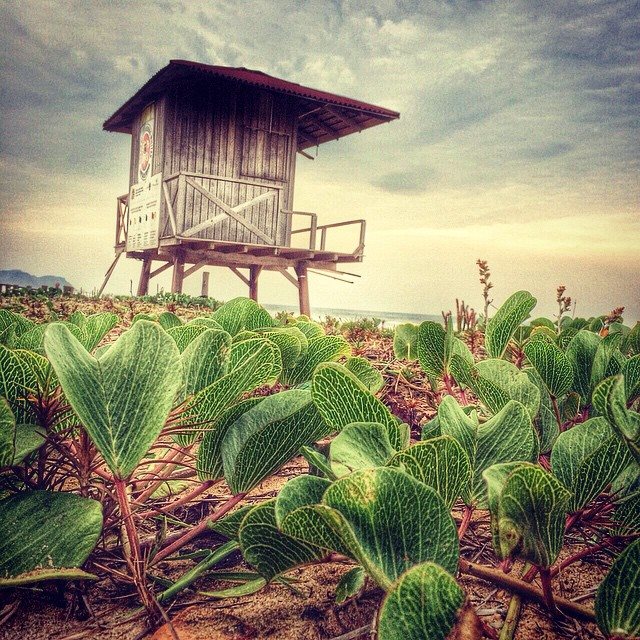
[213, 156]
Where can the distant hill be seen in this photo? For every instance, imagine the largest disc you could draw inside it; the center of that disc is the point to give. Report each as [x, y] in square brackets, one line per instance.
[24, 279]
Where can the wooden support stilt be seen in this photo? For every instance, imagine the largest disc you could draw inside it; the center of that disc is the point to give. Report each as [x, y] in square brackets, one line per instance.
[143, 284]
[303, 288]
[109, 272]
[254, 274]
[178, 274]
[204, 289]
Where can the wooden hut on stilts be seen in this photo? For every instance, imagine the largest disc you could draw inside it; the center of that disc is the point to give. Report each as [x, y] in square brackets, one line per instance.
[213, 155]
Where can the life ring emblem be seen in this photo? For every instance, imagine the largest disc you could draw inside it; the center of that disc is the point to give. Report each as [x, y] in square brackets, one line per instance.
[146, 151]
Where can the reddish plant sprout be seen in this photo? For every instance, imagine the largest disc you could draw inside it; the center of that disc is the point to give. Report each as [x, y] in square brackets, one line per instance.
[487, 285]
[612, 318]
[564, 304]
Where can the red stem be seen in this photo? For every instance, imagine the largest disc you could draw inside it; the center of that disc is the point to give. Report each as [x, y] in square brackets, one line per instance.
[466, 519]
[198, 529]
[200, 489]
[545, 579]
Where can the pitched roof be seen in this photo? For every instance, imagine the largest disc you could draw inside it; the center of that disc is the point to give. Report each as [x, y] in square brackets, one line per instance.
[323, 116]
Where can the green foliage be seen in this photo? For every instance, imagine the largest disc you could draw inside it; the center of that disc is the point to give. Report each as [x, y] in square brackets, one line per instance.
[350, 584]
[552, 365]
[266, 436]
[241, 313]
[587, 458]
[500, 329]
[422, 603]
[405, 341]
[342, 399]
[365, 515]
[360, 445]
[124, 398]
[320, 349]
[441, 463]
[42, 530]
[617, 603]
[436, 347]
[528, 507]
[366, 373]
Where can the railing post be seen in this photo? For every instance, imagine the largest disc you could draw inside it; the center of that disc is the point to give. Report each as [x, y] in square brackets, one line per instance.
[313, 231]
[180, 202]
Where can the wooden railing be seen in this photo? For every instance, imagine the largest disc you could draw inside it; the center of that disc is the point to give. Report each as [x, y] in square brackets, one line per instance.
[175, 202]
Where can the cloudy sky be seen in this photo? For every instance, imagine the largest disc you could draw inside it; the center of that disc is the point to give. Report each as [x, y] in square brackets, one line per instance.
[517, 142]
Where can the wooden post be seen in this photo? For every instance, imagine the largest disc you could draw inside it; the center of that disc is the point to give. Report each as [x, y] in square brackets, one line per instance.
[303, 289]
[178, 273]
[204, 289]
[143, 284]
[254, 274]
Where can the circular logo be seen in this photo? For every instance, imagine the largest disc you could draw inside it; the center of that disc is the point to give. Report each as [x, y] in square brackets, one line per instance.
[146, 151]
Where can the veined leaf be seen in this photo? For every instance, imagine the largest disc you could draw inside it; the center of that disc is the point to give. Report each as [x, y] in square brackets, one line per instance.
[365, 513]
[291, 342]
[366, 373]
[360, 445]
[496, 382]
[405, 341]
[605, 361]
[422, 603]
[269, 550]
[350, 583]
[209, 456]
[528, 507]
[46, 530]
[168, 320]
[513, 312]
[7, 434]
[554, 367]
[440, 463]
[342, 399]
[310, 328]
[631, 342]
[265, 437]
[321, 349]
[617, 603]
[124, 398]
[581, 353]
[454, 422]
[586, 458]
[253, 363]
[205, 359]
[95, 327]
[609, 400]
[545, 421]
[431, 348]
[631, 373]
[185, 333]
[241, 313]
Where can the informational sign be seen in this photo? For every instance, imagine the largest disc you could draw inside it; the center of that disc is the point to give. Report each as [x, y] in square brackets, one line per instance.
[144, 214]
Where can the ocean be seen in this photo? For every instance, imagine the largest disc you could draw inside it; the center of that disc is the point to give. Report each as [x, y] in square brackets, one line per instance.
[389, 318]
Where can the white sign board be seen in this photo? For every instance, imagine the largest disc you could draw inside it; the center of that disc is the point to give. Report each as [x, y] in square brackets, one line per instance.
[143, 230]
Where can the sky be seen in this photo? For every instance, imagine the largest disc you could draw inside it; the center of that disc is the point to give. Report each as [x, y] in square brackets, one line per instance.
[517, 142]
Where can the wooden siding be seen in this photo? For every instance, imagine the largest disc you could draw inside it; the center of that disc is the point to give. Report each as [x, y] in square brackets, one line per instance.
[221, 130]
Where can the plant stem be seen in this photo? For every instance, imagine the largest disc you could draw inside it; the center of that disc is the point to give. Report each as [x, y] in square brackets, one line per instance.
[198, 529]
[556, 411]
[513, 617]
[545, 578]
[135, 560]
[525, 590]
[466, 519]
[185, 499]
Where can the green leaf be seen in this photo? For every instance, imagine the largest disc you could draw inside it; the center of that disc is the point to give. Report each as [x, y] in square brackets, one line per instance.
[631, 343]
[586, 458]
[209, 456]
[431, 348]
[609, 401]
[19, 323]
[440, 463]
[342, 399]
[513, 312]
[617, 603]
[185, 333]
[95, 327]
[631, 373]
[581, 353]
[7, 434]
[254, 362]
[453, 421]
[46, 530]
[508, 436]
[49, 573]
[554, 367]
[17, 380]
[321, 349]
[545, 421]
[366, 373]
[241, 313]
[309, 328]
[291, 342]
[269, 550]
[205, 359]
[266, 436]
[405, 341]
[496, 382]
[229, 526]
[123, 399]
[350, 584]
[528, 507]
[366, 513]
[422, 603]
[606, 361]
[168, 320]
[360, 445]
